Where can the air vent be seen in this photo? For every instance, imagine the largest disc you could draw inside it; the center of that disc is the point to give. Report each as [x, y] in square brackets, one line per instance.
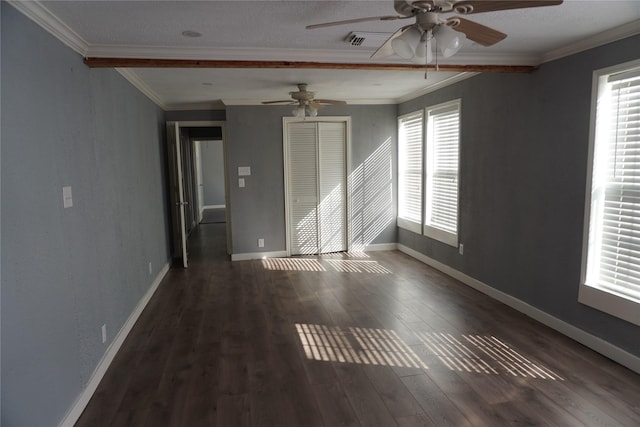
[361, 39]
[355, 39]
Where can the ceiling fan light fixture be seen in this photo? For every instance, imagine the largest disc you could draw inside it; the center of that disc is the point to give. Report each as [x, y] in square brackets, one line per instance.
[405, 44]
[424, 54]
[298, 112]
[311, 112]
[449, 41]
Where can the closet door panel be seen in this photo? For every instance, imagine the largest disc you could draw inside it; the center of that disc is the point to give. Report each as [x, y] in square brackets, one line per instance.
[332, 218]
[303, 188]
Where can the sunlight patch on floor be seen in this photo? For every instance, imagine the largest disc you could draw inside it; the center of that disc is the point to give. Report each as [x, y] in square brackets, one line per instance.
[365, 346]
[509, 359]
[348, 254]
[482, 354]
[351, 266]
[479, 354]
[313, 264]
[292, 264]
[454, 354]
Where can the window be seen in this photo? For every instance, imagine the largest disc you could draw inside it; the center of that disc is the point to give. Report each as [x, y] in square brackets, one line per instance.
[611, 271]
[410, 171]
[441, 172]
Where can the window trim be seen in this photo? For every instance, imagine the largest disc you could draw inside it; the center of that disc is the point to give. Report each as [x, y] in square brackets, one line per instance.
[588, 294]
[435, 233]
[406, 223]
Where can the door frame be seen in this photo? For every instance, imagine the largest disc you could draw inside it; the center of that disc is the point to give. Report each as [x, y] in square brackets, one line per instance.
[285, 150]
[176, 192]
[223, 128]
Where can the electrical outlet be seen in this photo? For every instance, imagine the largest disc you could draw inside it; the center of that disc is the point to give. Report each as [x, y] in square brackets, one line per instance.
[461, 249]
[261, 243]
[104, 333]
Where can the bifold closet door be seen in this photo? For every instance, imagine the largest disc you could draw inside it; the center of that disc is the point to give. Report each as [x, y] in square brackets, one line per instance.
[303, 188]
[332, 209]
[317, 187]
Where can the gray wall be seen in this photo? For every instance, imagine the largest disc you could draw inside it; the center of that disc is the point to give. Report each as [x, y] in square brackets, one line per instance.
[212, 162]
[254, 138]
[65, 272]
[522, 186]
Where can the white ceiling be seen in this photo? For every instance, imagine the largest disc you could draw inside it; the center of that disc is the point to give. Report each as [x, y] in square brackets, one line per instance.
[275, 30]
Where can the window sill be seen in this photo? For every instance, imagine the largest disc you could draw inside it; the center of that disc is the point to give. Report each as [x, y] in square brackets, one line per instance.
[441, 236]
[615, 305]
[409, 225]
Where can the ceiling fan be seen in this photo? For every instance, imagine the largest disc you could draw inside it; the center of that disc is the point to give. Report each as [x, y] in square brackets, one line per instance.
[306, 102]
[414, 41]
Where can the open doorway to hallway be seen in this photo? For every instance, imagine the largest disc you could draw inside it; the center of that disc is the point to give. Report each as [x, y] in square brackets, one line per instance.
[209, 165]
[199, 188]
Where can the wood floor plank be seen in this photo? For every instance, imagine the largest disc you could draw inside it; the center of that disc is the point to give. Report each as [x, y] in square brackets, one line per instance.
[376, 339]
[436, 405]
[234, 411]
[334, 405]
[393, 392]
[365, 401]
[416, 421]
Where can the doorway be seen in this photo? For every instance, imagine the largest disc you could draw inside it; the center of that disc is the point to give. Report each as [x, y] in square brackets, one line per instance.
[187, 171]
[209, 163]
[316, 196]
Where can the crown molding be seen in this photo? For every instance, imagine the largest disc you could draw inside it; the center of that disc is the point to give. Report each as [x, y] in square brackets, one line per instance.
[618, 33]
[38, 13]
[136, 81]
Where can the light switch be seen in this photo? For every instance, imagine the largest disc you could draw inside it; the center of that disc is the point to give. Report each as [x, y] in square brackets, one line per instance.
[244, 170]
[241, 182]
[67, 199]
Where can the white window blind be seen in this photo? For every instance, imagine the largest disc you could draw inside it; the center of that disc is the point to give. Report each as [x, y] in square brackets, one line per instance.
[410, 139]
[441, 177]
[616, 191]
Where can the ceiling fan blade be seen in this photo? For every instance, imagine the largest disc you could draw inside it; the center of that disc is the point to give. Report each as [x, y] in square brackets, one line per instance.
[282, 101]
[329, 101]
[316, 105]
[386, 49]
[353, 21]
[466, 7]
[479, 33]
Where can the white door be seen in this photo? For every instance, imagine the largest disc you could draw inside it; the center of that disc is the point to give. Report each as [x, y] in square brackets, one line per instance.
[199, 184]
[177, 192]
[332, 206]
[303, 188]
[316, 187]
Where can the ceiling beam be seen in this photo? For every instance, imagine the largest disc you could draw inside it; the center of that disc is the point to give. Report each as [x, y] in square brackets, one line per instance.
[198, 63]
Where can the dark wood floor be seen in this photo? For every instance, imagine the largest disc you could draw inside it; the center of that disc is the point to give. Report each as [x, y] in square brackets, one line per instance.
[372, 340]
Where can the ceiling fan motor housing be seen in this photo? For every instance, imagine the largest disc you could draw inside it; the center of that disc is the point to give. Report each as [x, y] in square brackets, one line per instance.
[303, 94]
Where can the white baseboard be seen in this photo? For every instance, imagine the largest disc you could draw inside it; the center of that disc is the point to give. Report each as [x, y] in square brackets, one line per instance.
[81, 402]
[595, 343]
[214, 206]
[258, 255]
[381, 247]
